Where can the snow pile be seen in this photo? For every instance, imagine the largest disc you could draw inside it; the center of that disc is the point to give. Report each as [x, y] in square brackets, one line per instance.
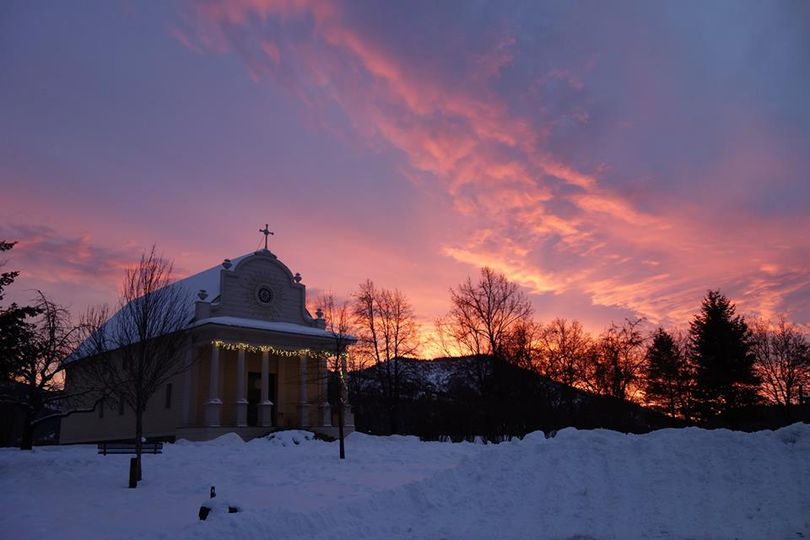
[688, 483]
[228, 439]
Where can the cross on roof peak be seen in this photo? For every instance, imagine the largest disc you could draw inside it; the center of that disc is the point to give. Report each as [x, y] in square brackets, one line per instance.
[266, 232]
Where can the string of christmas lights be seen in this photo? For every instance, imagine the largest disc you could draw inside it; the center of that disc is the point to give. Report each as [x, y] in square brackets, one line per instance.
[248, 347]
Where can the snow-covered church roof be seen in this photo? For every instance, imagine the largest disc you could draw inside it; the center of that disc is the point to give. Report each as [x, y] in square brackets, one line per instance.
[207, 280]
[253, 291]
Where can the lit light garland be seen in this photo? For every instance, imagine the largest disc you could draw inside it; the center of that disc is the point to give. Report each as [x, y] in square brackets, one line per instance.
[247, 347]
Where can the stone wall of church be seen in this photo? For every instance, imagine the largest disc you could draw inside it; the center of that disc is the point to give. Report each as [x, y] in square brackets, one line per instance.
[111, 422]
[239, 294]
[164, 415]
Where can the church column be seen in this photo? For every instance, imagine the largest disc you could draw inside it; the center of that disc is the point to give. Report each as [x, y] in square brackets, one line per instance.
[325, 409]
[214, 405]
[266, 406]
[303, 406]
[241, 401]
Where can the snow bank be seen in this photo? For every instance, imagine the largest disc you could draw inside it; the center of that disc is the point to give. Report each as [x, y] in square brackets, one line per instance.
[688, 483]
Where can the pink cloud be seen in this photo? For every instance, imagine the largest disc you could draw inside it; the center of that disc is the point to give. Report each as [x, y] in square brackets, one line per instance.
[73, 270]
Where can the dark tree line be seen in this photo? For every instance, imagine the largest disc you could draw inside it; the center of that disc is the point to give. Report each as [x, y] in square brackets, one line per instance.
[724, 366]
[720, 368]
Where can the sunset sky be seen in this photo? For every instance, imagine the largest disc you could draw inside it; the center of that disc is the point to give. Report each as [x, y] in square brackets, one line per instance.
[616, 159]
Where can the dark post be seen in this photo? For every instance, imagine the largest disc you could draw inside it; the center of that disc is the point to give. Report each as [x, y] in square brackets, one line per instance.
[205, 510]
[340, 428]
[133, 472]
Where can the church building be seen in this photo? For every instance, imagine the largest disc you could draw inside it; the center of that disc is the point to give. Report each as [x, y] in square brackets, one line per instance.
[258, 362]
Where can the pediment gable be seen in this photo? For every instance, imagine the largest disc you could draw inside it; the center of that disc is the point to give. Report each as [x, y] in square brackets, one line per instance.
[261, 287]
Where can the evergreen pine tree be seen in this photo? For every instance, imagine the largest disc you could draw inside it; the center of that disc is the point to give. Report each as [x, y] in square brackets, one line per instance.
[14, 331]
[669, 378]
[720, 344]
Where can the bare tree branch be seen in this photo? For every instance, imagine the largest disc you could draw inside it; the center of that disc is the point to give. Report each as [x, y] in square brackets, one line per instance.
[387, 333]
[338, 324]
[142, 347]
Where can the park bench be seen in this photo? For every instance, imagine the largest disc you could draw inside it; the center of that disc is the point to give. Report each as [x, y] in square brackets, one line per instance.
[105, 448]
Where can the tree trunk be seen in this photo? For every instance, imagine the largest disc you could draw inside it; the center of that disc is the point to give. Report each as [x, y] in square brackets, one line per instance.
[393, 413]
[343, 396]
[340, 429]
[139, 438]
[27, 441]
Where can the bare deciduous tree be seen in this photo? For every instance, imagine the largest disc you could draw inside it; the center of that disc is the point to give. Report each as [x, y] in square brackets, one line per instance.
[619, 360]
[387, 333]
[338, 323]
[485, 319]
[483, 314]
[564, 346]
[523, 344]
[142, 347]
[782, 360]
[482, 317]
[38, 370]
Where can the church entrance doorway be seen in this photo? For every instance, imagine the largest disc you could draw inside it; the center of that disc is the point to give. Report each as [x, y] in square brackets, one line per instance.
[254, 396]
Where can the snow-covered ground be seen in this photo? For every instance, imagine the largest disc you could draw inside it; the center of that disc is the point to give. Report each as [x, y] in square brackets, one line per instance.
[686, 483]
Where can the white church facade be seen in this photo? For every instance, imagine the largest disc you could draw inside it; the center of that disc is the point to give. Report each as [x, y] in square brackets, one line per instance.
[258, 363]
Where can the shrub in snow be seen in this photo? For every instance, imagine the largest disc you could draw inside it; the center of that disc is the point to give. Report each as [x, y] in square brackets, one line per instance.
[216, 505]
[290, 437]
